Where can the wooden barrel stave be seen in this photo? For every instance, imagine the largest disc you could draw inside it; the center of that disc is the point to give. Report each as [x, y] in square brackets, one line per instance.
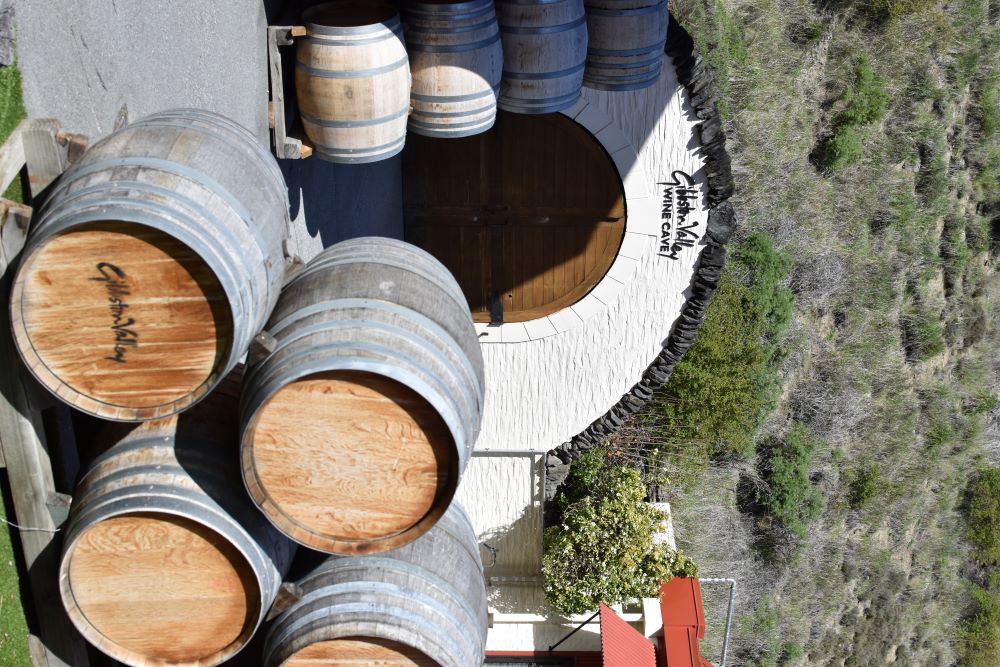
[154, 188]
[353, 82]
[456, 60]
[627, 38]
[544, 46]
[429, 596]
[386, 315]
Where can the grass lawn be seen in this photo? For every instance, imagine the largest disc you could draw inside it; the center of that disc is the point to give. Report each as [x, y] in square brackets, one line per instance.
[13, 628]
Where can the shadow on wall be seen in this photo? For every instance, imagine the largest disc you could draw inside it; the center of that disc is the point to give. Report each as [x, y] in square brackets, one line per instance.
[512, 557]
[343, 201]
[333, 202]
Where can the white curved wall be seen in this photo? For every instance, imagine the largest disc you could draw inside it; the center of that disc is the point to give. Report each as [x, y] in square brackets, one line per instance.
[548, 379]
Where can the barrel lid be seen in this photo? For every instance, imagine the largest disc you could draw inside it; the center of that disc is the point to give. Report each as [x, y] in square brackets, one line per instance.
[350, 462]
[152, 587]
[121, 320]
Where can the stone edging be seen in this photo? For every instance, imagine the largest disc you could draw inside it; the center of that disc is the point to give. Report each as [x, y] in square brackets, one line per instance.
[695, 76]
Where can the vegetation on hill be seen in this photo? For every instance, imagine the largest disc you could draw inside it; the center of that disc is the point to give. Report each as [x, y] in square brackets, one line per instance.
[833, 437]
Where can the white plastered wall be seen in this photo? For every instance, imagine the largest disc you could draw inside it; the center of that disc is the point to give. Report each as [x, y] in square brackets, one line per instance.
[548, 379]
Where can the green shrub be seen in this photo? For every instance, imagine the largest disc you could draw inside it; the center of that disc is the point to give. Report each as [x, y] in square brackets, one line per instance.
[789, 498]
[980, 403]
[982, 510]
[602, 549]
[867, 98]
[842, 149]
[979, 634]
[727, 382]
[864, 485]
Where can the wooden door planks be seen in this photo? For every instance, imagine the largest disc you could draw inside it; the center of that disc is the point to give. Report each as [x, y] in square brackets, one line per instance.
[546, 183]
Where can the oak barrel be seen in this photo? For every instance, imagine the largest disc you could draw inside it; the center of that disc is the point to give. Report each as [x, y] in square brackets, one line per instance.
[456, 61]
[544, 52]
[626, 43]
[357, 427]
[422, 604]
[352, 80]
[156, 259]
[166, 560]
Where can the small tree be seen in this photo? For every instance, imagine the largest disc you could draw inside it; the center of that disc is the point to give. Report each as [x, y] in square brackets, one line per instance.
[602, 549]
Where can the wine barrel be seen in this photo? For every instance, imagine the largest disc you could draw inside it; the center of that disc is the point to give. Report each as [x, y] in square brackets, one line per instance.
[422, 604]
[357, 427]
[352, 81]
[166, 559]
[626, 43]
[544, 52]
[456, 60]
[156, 259]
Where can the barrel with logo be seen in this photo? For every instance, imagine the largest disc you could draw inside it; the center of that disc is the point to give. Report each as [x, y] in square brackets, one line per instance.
[422, 604]
[456, 60]
[626, 43]
[544, 52]
[358, 425]
[352, 81]
[156, 259]
[166, 560]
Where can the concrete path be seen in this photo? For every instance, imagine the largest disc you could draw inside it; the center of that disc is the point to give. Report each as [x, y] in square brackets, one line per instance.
[83, 60]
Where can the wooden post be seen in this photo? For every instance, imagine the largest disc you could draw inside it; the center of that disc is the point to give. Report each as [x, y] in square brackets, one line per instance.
[284, 146]
[22, 436]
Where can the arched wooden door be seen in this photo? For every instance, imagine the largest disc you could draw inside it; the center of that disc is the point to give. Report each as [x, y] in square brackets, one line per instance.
[528, 216]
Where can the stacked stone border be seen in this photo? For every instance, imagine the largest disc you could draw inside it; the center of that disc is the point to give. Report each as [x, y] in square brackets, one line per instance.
[695, 76]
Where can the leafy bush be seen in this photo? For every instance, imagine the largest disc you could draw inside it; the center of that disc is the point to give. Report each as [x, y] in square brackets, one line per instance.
[983, 515]
[602, 549]
[722, 388]
[789, 497]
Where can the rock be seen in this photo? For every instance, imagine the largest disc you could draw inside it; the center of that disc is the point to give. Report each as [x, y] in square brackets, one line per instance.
[712, 255]
[721, 222]
[706, 97]
[720, 191]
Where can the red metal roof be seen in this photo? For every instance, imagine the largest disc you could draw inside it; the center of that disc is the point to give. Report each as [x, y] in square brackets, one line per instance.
[683, 622]
[623, 645]
[680, 604]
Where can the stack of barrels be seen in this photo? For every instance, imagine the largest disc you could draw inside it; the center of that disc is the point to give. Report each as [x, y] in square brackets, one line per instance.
[153, 268]
[364, 74]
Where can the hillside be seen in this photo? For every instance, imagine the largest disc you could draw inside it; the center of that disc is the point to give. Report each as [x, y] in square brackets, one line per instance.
[822, 434]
